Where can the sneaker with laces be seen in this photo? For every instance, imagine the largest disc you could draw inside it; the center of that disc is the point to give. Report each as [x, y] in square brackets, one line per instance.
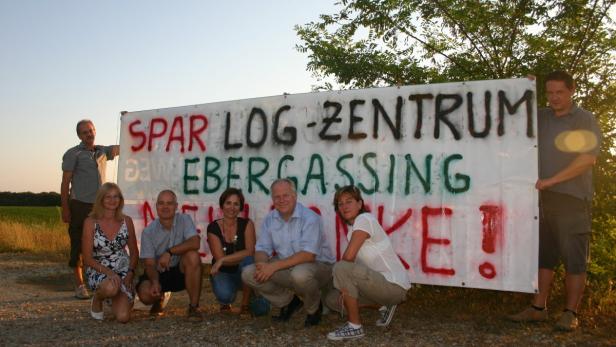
[193, 313]
[81, 292]
[346, 332]
[387, 314]
[530, 314]
[568, 321]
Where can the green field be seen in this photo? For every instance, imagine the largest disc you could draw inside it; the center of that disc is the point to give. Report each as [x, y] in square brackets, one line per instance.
[48, 215]
[33, 229]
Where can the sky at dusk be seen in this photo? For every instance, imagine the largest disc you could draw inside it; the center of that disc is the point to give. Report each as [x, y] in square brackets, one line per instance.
[64, 60]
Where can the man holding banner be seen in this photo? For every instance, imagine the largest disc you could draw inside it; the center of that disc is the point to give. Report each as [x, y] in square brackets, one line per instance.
[83, 172]
[292, 257]
[569, 141]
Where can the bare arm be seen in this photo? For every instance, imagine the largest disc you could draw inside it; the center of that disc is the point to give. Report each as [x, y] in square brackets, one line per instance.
[191, 244]
[132, 244]
[357, 240]
[87, 244]
[215, 246]
[578, 166]
[149, 265]
[235, 258]
[134, 253]
[296, 259]
[64, 195]
[261, 257]
[115, 151]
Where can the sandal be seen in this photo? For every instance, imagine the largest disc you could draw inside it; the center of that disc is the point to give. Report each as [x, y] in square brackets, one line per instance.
[245, 312]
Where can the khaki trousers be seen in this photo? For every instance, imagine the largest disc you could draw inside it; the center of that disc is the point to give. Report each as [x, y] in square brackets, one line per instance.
[304, 280]
[367, 286]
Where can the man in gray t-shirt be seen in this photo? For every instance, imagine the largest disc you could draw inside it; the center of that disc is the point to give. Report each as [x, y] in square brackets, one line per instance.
[170, 254]
[83, 172]
[569, 141]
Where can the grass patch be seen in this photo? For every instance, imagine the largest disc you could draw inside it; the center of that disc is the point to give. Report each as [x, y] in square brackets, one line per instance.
[48, 216]
[37, 230]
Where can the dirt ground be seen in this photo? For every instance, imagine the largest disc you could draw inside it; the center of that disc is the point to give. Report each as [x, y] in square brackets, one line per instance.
[37, 308]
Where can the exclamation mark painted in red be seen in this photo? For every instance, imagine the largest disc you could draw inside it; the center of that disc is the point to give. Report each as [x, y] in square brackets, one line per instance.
[492, 221]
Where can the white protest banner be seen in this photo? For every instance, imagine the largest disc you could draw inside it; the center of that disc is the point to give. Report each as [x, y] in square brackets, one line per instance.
[447, 169]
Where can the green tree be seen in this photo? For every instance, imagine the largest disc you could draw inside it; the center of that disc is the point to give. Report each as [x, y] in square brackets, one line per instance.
[370, 43]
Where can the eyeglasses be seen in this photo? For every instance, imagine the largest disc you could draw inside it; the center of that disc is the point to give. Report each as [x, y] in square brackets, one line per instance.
[112, 197]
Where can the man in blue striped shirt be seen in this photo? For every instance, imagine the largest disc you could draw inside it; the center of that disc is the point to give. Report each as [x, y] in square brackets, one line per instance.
[293, 260]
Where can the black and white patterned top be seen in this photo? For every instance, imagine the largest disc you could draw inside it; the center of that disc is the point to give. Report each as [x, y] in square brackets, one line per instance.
[111, 254]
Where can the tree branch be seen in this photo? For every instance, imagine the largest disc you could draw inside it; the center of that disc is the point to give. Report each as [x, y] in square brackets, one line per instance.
[586, 38]
[416, 38]
[514, 34]
[466, 34]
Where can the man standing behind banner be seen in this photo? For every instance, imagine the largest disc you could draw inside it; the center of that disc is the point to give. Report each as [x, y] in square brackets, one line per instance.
[569, 141]
[83, 172]
[292, 257]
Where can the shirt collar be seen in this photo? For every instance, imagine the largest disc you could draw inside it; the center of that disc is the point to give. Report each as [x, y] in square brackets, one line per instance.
[296, 212]
[574, 108]
[162, 227]
[82, 145]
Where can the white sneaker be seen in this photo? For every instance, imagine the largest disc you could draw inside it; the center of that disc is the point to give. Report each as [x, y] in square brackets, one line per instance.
[387, 314]
[346, 332]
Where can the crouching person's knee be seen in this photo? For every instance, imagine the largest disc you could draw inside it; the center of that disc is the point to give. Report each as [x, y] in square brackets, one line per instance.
[191, 259]
[302, 277]
[248, 275]
[123, 317]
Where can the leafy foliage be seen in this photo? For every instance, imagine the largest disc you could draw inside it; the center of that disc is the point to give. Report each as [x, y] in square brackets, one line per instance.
[29, 199]
[372, 43]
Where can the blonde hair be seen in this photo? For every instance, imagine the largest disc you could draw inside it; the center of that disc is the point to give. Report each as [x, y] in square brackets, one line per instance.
[98, 210]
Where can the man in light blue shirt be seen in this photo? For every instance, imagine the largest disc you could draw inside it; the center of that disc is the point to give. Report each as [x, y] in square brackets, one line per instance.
[293, 260]
[170, 254]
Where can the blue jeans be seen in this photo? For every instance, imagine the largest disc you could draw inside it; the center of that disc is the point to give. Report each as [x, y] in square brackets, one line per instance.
[225, 285]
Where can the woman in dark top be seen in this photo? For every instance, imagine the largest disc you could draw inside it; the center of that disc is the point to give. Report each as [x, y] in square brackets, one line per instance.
[232, 243]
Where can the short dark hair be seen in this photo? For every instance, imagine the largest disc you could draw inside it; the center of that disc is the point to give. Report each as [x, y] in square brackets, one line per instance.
[354, 192]
[83, 121]
[561, 76]
[229, 192]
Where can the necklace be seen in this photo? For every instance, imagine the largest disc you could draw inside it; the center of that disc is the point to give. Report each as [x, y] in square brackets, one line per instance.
[224, 236]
